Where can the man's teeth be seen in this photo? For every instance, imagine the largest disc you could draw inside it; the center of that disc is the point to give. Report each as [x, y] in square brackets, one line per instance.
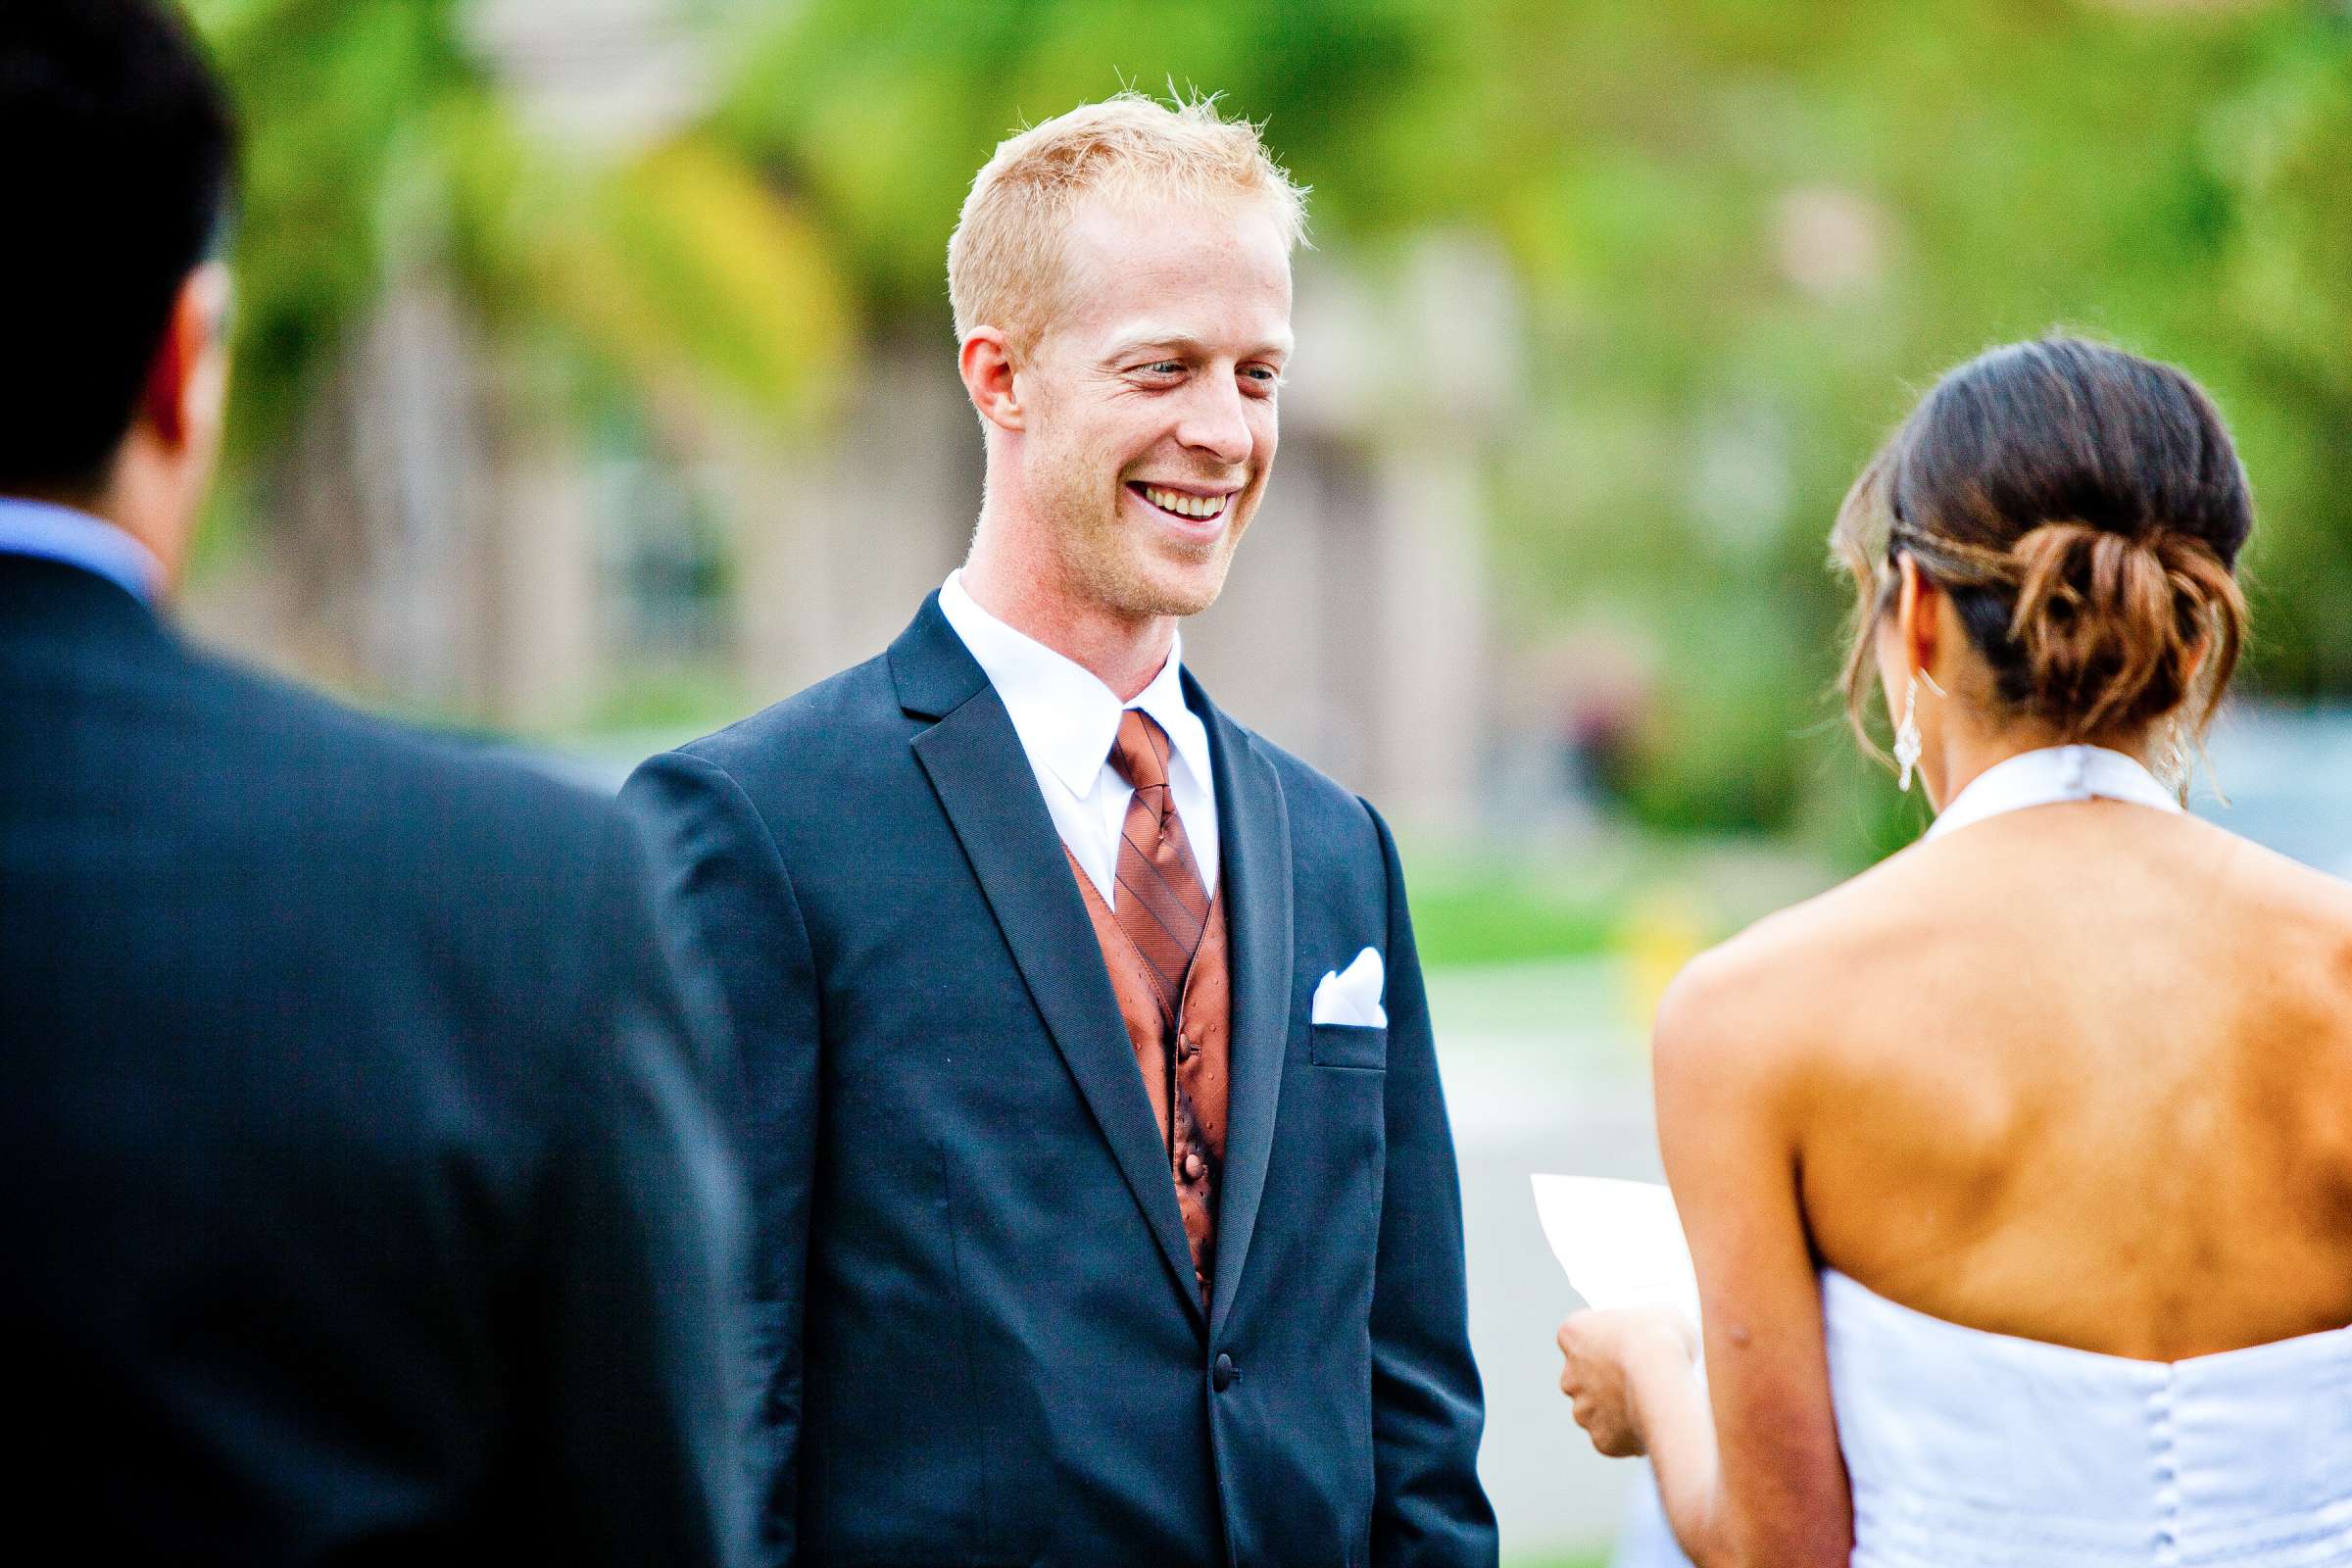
[1184, 505]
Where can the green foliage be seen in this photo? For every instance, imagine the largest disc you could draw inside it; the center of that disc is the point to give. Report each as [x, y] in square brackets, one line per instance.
[337, 99]
[373, 139]
[881, 113]
[673, 265]
[2279, 152]
[2175, 183]
[1473, 913]
[1746, 235]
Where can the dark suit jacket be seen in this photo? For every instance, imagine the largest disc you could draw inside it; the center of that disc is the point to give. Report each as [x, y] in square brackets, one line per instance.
[977, 1318]
[363, 1202]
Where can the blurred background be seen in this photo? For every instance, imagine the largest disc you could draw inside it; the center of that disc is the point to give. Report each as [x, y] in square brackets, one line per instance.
[596, 386]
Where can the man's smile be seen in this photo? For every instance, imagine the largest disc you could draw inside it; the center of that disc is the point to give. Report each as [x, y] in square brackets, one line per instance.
[1190, 505]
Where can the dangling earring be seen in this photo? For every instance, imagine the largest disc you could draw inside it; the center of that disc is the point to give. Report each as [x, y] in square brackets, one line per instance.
[1907, 744]
[1906, 735]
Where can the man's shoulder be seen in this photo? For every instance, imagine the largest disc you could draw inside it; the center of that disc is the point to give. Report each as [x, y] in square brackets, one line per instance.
[373, 784]
[843, 728]
[1310, 795]
[264, 810]
[859, 700]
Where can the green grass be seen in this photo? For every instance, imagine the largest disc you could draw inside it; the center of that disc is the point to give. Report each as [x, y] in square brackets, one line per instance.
[1498, 919]
[1474, 904]
[1620, 892]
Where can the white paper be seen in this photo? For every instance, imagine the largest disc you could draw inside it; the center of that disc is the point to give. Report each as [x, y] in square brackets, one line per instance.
[1621, 1242]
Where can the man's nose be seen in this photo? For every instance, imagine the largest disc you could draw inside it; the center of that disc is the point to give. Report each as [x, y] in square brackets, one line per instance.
[1217, 424]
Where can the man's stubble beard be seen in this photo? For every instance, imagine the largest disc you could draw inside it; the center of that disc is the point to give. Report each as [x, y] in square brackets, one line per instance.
[1101, 563]
[1104, 567]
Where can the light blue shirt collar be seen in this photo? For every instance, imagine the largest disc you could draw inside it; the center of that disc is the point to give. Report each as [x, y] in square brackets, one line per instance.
[61, 533]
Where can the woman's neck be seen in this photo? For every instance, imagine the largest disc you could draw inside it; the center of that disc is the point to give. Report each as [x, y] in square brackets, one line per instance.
[1968, 751]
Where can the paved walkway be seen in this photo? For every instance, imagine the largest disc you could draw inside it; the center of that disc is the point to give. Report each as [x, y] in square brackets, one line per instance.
[1545, 1071]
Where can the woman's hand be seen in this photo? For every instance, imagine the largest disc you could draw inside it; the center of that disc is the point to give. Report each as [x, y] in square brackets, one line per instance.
[1599, 1350]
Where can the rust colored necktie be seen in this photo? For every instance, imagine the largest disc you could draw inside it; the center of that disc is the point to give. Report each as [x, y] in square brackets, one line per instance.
[1161, 905]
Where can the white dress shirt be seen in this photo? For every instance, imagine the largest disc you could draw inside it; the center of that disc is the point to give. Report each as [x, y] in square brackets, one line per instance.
[1067, 719]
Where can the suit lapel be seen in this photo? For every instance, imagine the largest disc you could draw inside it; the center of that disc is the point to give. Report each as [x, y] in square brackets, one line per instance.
[974, 759]
[1253, 835]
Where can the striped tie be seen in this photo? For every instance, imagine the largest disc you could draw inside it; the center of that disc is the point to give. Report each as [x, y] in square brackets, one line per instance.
[1162, 907]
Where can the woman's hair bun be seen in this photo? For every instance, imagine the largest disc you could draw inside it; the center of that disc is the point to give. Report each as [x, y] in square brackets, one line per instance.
[2110, 632]
[2083, 508]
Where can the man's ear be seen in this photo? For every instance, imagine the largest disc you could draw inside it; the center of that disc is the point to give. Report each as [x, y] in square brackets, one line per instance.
[180, 400]
[986, 363]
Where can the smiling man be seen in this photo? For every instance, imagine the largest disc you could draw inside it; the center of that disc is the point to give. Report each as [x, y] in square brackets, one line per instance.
[1106, 1207]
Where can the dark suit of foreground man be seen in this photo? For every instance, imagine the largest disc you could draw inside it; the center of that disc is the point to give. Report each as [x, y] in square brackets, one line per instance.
[1085, 1233]
[362, 1199]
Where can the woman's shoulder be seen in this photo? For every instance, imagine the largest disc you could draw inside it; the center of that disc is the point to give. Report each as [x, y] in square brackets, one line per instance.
[1797, 959]
[1801, 991]
[2283, 886]
[1801, 985]
[2291, 925]
[1758, 1007]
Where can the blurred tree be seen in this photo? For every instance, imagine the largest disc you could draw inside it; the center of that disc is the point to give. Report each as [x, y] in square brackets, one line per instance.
[375, 136]
[881, 113]
[1747, 234]
[2279, 154]
[1767, 229]
[339, 100]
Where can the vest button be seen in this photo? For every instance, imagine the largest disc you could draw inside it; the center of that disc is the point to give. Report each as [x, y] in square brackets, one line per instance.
[1193, 1167]
[1224, 1376]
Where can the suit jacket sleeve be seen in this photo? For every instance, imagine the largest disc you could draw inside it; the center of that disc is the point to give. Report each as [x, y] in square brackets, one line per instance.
[1426, 1411]
[643, 1388]
[725, 888]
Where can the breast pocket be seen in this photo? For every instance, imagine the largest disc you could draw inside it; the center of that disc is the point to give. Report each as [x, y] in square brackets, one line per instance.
[1346, 1044]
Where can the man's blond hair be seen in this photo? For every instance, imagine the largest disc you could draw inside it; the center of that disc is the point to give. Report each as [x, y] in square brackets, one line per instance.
[1005, 260]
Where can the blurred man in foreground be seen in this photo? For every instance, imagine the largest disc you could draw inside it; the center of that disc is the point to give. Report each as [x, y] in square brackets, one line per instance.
[1106, 1206]
[362, 1199]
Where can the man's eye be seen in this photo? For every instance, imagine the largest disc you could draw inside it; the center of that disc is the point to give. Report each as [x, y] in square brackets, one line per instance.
[1163, 367]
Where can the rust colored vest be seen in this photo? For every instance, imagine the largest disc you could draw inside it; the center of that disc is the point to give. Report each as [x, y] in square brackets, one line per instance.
[1186, 1075]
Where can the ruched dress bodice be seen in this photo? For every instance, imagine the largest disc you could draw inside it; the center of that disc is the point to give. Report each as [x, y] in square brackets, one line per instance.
[1972, 1449]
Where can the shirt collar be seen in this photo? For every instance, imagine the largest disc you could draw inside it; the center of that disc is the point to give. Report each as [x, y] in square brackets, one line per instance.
[76, 538]
[1065, 717]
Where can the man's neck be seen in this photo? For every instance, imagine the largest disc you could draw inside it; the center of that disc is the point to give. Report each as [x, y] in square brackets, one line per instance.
[1122, 651]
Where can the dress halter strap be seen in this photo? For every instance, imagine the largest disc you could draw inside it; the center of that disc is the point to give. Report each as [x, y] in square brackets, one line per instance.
[2048, 776]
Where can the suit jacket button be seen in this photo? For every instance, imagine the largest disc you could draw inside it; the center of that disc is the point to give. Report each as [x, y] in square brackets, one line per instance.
[1224, 1376]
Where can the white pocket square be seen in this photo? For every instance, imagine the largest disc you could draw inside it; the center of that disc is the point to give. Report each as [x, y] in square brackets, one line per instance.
[1352, 997]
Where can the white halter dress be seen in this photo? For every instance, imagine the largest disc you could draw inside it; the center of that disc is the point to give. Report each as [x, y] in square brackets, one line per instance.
[1972, 1449]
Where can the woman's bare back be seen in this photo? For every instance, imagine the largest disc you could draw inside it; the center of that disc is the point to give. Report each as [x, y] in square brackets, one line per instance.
[2082, 1073]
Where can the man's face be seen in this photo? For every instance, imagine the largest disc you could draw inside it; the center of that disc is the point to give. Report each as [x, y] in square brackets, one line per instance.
[1151, 399]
